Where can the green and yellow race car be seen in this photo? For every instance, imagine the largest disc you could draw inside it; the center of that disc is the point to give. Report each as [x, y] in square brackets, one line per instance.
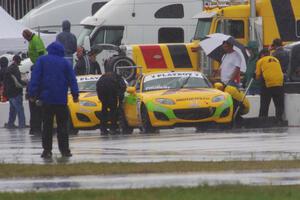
[170, 99]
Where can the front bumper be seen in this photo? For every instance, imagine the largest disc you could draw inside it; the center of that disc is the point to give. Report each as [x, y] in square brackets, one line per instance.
[171, 115]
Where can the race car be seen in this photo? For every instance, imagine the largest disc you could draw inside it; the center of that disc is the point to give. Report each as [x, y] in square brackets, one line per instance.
[170, 99]
[85, 114]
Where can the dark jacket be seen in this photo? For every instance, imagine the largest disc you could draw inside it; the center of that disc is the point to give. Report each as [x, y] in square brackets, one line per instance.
[13, 84]
[67, 39]
[52, 76]
[283, 58]
[251, 67]
[85, 66]
[3, 68]
[110, 84]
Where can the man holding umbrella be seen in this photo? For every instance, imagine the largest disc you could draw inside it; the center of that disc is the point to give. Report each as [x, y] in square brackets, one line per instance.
[230, 65]
[232, 56]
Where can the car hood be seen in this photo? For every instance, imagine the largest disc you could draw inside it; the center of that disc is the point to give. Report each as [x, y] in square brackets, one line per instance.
[185, 94]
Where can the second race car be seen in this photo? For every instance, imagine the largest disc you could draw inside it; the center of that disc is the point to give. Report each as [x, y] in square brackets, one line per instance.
[170, 99]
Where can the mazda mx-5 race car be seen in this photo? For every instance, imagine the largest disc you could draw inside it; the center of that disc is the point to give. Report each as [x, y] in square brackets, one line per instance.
[85, 114]
[170, 99]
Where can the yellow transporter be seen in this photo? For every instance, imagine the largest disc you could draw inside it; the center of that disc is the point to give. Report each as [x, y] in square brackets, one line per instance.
[168, 99]
[274, 19]
[164, 57]
[85, 114]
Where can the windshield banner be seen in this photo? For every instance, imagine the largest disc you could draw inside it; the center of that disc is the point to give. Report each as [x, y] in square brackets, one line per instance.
[172, 74]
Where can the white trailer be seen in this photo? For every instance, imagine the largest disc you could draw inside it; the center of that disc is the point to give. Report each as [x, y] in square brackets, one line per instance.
[141, 21]
[48, 16]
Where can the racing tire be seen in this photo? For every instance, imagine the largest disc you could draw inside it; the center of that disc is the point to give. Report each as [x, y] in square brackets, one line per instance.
[125, 129]
[70, 128]
[114, 62]
[146, 123]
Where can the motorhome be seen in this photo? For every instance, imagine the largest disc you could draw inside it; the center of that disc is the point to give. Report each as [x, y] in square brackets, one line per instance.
[141, 22]
[48, 16]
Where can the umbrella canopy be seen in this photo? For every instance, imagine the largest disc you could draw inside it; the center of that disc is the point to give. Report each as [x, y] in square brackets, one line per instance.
[212, 46]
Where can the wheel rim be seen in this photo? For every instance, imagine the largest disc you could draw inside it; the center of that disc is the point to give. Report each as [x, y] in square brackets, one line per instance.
[126, 73]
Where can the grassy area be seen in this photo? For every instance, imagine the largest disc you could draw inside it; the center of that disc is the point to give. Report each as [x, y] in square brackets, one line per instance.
[228, 192]
[49, 170]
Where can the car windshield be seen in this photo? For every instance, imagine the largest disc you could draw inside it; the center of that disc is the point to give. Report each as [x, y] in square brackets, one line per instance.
[164, 81]
[87, 86]
[202, 29]
[86, 31]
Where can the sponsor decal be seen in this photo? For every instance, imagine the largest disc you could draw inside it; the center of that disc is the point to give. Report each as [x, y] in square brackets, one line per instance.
[172, 74]
[157, 57]
[192, 99]
[87, 78]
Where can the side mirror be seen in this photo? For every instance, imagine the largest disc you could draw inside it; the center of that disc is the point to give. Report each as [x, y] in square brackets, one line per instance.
[131, 90]
[86, 43]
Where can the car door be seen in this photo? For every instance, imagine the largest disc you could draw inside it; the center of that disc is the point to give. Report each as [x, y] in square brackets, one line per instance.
[131, 105]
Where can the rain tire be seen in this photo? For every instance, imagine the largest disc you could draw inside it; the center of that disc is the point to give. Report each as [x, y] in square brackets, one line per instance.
[117, 61]
[125, 129]
[146, 123]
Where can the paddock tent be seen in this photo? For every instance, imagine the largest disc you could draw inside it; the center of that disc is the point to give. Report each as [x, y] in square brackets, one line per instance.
[11, 39]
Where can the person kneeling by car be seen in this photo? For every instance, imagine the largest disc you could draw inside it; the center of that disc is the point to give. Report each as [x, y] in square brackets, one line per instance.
[238, 99]
[110, 91]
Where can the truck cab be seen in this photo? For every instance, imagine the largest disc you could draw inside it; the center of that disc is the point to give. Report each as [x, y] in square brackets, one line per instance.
[272, 20]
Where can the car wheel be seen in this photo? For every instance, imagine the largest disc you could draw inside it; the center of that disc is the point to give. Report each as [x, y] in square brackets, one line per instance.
[123, 125]
[146, 123]
[70, 128]
[120, 61]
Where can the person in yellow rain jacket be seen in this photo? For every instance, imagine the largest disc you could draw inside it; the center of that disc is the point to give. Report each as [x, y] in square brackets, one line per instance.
[268, 69]
[237, 97]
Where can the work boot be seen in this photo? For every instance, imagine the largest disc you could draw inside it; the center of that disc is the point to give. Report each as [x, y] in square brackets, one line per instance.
[66, 154]
[46, 154]
[10, 126]
[103, 131]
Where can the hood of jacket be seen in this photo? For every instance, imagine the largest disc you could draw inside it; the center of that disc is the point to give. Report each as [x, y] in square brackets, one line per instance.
[3, 62]
[66, 26]
[56, 48]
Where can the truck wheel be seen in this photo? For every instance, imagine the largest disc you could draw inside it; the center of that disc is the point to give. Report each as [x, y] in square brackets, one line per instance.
[123, 125]
[70, 128]
[146, 123]
[118, 61]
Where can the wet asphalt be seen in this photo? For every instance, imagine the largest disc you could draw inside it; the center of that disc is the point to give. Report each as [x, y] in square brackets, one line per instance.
[17, 146]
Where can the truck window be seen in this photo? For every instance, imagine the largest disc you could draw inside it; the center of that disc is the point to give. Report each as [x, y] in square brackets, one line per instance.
[170, 11]
[170, 35]
[202, 28]
[96, 6]
[108, 35]
[235, 28]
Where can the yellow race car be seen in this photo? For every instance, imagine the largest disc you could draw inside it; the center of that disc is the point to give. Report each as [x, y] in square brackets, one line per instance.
[85, 114]
[170, 99]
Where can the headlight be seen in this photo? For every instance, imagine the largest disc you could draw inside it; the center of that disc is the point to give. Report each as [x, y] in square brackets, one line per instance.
[87, 103]
[218, 98]
[165, 101]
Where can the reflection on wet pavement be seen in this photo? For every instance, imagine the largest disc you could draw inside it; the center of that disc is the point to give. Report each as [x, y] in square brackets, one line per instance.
[17, 146]
[151, 181]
